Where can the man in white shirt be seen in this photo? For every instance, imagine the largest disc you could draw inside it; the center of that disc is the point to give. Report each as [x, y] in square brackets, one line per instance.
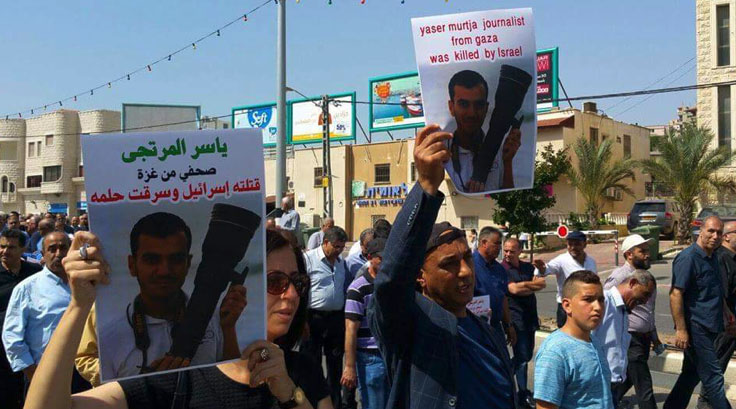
[565, 264]
[315, 240]
[613, 333]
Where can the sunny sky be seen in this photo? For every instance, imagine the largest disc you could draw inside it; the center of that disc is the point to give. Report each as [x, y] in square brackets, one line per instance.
[52, 50]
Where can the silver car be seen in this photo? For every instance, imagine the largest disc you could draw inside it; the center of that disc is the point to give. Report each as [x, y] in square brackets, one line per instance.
[658, 212]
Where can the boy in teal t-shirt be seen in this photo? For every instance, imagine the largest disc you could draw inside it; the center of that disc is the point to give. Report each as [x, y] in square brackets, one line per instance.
[570, 370]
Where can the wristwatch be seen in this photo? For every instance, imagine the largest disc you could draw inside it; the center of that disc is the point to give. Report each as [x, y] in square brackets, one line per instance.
[297, 398]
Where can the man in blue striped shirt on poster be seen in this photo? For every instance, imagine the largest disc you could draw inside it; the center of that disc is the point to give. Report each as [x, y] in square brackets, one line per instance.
[362, 358]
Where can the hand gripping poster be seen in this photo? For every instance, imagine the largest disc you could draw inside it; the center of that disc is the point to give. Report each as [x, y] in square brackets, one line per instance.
[478, 77]
[179, 216]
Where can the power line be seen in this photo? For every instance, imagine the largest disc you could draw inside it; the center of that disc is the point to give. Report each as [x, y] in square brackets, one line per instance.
[649, 97]
[585, 97]
[653, 83]
[148, 67]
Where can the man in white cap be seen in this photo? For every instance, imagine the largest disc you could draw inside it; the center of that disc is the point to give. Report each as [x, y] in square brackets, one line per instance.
[642, 328]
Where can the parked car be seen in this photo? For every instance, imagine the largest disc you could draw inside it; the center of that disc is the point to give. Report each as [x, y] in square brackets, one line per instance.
[727, 213]
[658, 212]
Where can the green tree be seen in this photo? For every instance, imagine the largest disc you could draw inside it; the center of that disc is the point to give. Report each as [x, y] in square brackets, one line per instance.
[522, 209]
[689, 167]
[596, 172]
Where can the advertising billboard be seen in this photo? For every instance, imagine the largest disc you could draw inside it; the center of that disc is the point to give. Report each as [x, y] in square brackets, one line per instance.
[159, 118]
[396, 102]
[547, 82]
[263, 117]
[305, 119]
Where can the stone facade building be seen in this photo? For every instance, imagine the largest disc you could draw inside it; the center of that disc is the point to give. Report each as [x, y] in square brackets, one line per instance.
[41, 166]
[716, 62]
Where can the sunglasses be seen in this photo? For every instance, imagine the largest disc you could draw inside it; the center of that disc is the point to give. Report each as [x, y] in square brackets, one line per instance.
[277, 283]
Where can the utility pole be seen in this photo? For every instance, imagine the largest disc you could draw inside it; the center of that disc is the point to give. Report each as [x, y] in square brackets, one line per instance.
[281, 104]
[326, 162]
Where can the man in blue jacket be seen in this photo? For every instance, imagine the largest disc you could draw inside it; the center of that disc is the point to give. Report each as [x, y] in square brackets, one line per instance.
[438, 354]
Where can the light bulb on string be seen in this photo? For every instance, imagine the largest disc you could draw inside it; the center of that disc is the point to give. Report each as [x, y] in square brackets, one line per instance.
[91, 92]
[149, 67]
[194, 46]
[218, 33]
[75, 98]
[60, 104]
[20, 115]
[169, 58]
[128, 77]
[109, 85]
[329, 2]
[362, 1]
[44, 107]
[245, 17]
[31, 111]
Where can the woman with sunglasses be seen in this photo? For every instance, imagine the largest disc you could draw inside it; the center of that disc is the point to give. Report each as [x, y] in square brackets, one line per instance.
[269, 375]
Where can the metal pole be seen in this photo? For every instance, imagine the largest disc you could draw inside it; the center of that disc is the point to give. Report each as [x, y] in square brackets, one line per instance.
[326, 156]
[615, 237]
[281, 104]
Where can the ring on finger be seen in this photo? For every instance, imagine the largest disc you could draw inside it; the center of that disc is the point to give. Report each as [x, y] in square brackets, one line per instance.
[83, 251]
[265, 355]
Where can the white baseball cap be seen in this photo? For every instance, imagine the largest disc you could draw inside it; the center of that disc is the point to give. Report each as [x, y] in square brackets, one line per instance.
[633, 241]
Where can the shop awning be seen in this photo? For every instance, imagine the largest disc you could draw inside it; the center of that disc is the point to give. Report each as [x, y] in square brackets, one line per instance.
[568, 121]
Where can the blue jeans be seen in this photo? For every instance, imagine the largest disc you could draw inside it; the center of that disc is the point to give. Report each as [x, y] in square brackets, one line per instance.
[700, 365]
[372, 379]
[523, 353]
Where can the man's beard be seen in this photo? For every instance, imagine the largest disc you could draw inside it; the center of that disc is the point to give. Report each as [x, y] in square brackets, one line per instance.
[641, 264]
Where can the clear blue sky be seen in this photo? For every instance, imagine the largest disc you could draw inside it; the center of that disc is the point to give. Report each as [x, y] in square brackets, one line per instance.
[54, 49]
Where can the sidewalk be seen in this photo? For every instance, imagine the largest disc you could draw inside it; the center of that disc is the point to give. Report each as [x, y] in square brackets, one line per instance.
[604, 253]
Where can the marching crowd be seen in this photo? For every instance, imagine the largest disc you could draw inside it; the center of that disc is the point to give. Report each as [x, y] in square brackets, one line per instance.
[390, 320]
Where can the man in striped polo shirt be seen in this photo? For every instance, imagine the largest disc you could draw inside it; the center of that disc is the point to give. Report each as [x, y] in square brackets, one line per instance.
[362, 358]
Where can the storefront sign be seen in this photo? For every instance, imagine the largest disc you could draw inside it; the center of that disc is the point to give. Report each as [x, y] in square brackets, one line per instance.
[547, 83]
[383, 195]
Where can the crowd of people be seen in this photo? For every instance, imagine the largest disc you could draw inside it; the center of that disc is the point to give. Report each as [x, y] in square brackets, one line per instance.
[390, 320]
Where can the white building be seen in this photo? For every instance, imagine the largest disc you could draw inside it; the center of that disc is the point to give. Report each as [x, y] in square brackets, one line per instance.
[41, 167]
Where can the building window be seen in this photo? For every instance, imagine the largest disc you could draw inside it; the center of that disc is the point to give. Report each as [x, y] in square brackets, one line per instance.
[469, 222]
[51, 173]
[31, 149]
[627, 146]
[604, 137]
[723, 37]
[33, 181]
[4, 184]
[12, 187]
[81, 171]
[317, 177]
[594, 135]
[724, 116]
[376, 217]
[49, 140]
[413, 172]
[38, 148]
[9, 150]
[382, 173]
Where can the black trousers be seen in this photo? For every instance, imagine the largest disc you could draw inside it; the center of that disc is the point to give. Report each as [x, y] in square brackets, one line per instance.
[11, 384]
[561, 316]
[327, 337]
[725, 347]
[700, 364]
[637, 373]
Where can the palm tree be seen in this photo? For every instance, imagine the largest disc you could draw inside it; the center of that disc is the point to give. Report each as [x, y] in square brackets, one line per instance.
[689, 167]
[596, 172]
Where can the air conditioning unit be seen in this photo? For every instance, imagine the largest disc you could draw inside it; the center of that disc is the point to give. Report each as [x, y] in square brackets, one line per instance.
[610, 193]
[290, 185]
